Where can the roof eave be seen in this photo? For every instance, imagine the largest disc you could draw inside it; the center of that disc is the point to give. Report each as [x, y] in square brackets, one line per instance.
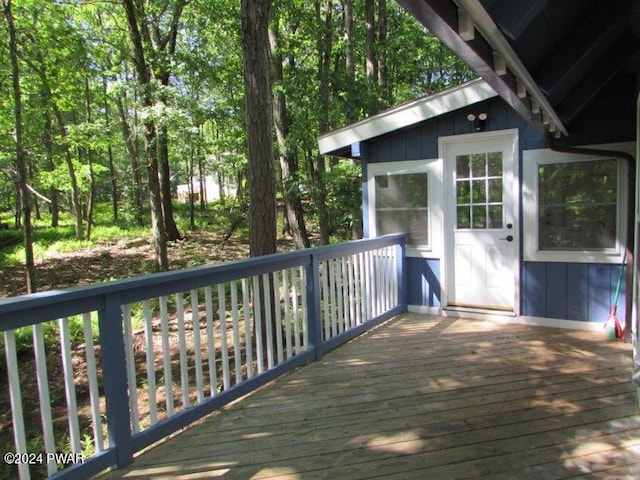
[489, 54]
[406, 115]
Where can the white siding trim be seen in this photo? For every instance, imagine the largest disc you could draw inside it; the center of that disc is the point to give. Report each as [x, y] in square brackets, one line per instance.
[407, 114]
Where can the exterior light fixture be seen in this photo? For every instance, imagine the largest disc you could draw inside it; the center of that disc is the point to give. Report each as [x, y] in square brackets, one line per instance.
[479, 121]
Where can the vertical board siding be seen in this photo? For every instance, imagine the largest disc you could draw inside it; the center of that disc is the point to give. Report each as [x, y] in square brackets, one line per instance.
[577, 308]
[423, 280]
[571, 291]
[421, 140]
[556, 280]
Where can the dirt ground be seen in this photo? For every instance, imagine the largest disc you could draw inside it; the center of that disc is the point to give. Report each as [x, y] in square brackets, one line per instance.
[123, 259]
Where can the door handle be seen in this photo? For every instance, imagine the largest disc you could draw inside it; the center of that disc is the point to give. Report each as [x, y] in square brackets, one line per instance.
[508, 238]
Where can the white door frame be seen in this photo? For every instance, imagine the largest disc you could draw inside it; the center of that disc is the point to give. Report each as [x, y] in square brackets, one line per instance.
[444, 144]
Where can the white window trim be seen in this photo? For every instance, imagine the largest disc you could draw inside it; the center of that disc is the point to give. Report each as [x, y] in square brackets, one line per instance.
[433, 168]
[531, 160]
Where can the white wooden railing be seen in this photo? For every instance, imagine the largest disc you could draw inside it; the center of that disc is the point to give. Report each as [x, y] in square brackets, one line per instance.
[136, 360]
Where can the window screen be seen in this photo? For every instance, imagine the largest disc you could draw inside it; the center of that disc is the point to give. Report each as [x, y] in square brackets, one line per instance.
[577, 205]
[402, 206]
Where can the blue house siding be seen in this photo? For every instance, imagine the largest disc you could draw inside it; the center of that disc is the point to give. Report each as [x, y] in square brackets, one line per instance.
[571, 291]
[567, 291]
[421, 141]
[424, 282]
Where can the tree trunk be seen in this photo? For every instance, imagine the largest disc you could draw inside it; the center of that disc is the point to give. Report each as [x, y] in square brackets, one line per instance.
[258, 116]
[383, 78]
[92, 180]
[370, 28]
[325, 44]
[155, 199]
[112, 170]
[48, 146]
[192, 206]
[21, 162]
[286, 154]
[132, 150]
[165, 185]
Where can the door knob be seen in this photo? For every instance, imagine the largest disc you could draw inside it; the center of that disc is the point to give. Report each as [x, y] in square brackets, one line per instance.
[508, 238]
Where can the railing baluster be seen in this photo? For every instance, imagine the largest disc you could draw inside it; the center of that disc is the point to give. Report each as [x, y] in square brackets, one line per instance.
[197, 346]
[287, 311]
[92, 373]
[182, 349]
[325, 298]
[362, 289]
[150, 361]
[15, 397]
[278, 311]
[352, 291]
[131, 368]
[224, 349]
[166, 356]
[375, 270]
[305, 307]
[70, 389]
[236, 332]
[339, 295]
[268, 320]
[332, 298]
[296, 313]
[258, 323]
[43, 395]
[343, 298]
[211, 346]
[248, 344]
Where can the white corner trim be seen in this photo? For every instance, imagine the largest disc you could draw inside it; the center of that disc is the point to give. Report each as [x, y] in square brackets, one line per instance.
[407, 114]
[558, 323]
[505, 318]
[424, 310]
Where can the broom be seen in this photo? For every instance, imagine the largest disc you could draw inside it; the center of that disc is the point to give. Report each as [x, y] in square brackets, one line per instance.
[612, 326]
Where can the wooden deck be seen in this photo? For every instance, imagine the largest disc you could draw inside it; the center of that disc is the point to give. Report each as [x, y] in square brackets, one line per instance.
[427, 398]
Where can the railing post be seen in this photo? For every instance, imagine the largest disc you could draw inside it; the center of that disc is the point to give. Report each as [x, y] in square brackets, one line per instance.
[314, 324]
[114, 373]
[401, 269]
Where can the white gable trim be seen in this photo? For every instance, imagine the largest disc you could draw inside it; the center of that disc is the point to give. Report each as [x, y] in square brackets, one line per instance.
[407, 114]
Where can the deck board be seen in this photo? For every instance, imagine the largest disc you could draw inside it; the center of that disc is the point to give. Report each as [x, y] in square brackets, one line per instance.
[427, 397]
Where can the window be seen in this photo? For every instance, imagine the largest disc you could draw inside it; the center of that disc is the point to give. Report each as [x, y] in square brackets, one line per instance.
[574, 207]
[402, 197]
[402, 205]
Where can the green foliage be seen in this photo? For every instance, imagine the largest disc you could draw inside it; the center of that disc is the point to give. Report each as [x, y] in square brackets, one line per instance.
[344, 196]
[82, 106]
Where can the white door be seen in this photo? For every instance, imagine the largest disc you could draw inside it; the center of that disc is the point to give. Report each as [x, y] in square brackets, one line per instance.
[482, 234]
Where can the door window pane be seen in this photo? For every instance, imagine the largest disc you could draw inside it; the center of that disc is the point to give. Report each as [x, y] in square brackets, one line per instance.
[479, 217]
[462, 166]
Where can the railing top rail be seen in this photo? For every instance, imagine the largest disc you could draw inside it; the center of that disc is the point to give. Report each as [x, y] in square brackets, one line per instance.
[44, 306]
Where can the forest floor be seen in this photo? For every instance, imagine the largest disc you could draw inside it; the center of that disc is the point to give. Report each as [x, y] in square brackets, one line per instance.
[124, 259]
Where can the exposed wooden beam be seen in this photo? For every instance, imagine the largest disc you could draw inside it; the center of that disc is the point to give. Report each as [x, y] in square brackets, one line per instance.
[499, 65]
[586, 45]
[490, 31]
[516, 19]
[521, 89]
[440, 17]
[626, 51]
[466, 30]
